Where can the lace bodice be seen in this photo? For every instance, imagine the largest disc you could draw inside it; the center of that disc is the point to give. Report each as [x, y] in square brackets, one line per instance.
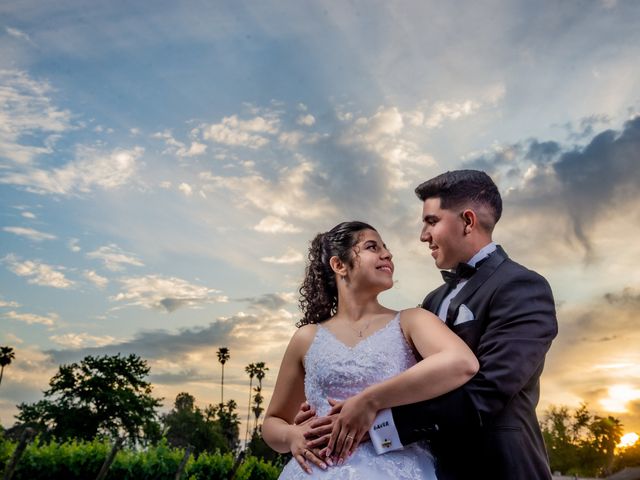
[335, 370]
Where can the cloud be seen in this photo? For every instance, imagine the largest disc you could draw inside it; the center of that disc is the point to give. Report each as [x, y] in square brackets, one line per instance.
[28, 215]
[628, 297]
[307, 120]
[11, 338]
[386, 121]
[290, 256]
[252, 133]
[114, 258]
[30, 233]
[31, 318]
[178, 148]
[166, 293]
[586, 127]
[72, 244]
[581, 183]
[27, 111]
[38, 273]
[381, 154]
[272, 302]
[81, 340]
[91, 169]
[619, 396]
[186, 189]
[14, 32]
[98, 280]
[280, 197]
[271, 224]
[291, 139]
[157, 344]
[442, 111]
[5, 304]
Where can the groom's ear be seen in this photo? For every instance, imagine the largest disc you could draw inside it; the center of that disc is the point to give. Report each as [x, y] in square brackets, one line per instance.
[470, 220]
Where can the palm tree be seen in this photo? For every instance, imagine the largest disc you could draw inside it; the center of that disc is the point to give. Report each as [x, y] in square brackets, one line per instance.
[6, 356]
[223, 356]
[260, 371]
[251, 371]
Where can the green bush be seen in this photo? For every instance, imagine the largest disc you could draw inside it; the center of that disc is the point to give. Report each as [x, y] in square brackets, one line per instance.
[6, 451]
[82, 460]
[256, 469]
[158, 462]
[70, 460]
[211, 466]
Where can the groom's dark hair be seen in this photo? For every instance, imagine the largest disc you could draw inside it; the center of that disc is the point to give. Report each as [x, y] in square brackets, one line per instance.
[459, 188]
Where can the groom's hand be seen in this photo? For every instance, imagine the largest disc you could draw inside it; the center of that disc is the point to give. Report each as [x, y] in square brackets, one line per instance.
[317, 429]
[320, 429]
[304, 413]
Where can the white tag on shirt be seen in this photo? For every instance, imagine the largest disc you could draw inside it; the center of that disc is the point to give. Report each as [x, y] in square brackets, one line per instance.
[384, 434]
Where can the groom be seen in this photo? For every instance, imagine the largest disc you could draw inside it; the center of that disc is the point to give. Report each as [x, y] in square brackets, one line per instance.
[486, 429]
[505, 313]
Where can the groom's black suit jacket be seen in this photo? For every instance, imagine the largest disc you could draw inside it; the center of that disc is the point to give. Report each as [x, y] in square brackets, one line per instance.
[487, 429]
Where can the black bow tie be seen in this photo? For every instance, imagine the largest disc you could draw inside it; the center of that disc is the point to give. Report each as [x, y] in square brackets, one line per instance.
[462, 272]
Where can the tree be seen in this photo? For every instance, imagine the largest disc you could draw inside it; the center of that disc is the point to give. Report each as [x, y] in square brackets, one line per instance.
[261, 371]
[6, 357]
[223, 356]
[560, 439]
[104, 395]
[628, 457]
[229, 421]
[606, 432]
[187, 425]
[258, 448]
[251, 371]
[580, 443]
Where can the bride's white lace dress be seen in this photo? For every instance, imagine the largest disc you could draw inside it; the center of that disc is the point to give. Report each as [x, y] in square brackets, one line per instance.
[334, 370]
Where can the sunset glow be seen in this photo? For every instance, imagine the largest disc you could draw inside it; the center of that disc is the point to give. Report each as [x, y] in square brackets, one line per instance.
[628, 440]
[619, 397]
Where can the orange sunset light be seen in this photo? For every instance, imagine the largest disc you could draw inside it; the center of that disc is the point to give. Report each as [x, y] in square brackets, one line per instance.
[628, 440]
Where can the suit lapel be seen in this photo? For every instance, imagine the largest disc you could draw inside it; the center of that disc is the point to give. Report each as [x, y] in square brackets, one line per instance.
[484, 272]
[433, 300]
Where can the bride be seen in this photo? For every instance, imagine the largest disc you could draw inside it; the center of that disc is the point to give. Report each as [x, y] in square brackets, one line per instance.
[351, 349]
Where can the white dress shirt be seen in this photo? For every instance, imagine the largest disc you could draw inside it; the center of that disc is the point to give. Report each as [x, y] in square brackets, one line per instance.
[483, 253]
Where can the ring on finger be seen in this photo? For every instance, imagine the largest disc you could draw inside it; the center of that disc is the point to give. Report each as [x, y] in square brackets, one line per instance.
[350, 437]
[304, 453]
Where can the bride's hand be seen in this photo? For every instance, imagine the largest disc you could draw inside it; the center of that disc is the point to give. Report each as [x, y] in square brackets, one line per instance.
[304, 455]
[356, 415]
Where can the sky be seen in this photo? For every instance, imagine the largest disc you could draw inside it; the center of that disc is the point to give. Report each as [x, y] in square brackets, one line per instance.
[164, 166]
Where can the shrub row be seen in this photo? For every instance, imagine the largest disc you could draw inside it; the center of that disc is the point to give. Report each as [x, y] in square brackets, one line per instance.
[80, 460]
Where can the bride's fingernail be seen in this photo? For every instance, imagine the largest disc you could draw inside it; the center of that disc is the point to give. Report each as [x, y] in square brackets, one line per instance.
[329, 461]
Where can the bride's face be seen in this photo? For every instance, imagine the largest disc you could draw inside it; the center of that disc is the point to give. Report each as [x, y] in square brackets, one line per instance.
[372, 264]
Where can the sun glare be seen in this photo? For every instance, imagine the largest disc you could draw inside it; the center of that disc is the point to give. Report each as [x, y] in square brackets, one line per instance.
[619, 396]
[628, 440]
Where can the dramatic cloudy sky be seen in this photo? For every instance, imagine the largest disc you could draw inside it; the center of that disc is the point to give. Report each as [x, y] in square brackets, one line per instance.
[163, 167]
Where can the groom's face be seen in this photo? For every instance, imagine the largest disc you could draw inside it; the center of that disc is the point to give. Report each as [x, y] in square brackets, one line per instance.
[443, 230]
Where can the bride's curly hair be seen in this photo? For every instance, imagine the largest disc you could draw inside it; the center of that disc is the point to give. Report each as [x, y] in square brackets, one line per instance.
[319, 292]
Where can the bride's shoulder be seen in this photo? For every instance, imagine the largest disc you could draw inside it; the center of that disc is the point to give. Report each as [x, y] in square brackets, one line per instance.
[303, 336]
[415, 314]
